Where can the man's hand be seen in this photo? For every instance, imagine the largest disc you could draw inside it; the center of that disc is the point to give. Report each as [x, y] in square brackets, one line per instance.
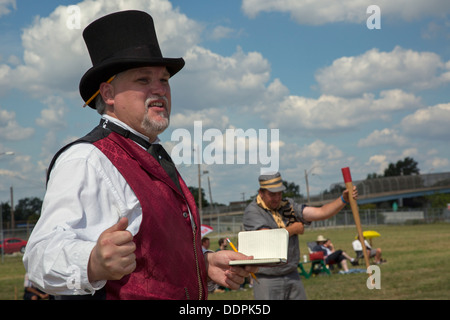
[225, 275]
[354, 194]
[295, 228]
[113, 256]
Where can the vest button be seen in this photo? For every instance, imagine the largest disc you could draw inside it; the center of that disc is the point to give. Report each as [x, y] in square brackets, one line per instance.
[185, 214]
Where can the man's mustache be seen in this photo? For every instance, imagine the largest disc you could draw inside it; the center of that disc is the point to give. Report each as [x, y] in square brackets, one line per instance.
[157, 101]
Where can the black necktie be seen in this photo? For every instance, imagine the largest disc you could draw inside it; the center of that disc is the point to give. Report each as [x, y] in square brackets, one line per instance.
[156, 150]
[161, 155]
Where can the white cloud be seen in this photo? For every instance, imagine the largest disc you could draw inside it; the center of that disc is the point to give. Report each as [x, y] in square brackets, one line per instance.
[429, 123]
[224, 81]
[375, 70]
[438, 163]
[330, 112]
[53, 117]
[319, 149]
[10, 129]
[436, 29]
[395, 100]
[378, 162]
[316, 154]
[53, 62]
[221, 32]
[409, 152]
[10, 174]
[209, 118]
[309, 12]
[6, 6]
[353, 11]
[382, 137]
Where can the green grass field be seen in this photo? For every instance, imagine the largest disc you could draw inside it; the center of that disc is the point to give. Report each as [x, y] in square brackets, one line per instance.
[417, 265]
[417, 268]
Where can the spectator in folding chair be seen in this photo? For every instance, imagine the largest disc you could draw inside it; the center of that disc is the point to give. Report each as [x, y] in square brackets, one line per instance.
[331, 255]
[373, 253]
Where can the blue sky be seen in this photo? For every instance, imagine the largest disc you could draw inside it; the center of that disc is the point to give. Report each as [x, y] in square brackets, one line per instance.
[339, 94]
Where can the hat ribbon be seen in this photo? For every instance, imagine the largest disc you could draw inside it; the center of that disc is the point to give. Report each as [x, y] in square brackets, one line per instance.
[272, 183]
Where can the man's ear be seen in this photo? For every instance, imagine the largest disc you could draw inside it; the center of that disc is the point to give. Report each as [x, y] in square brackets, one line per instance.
[107, 93]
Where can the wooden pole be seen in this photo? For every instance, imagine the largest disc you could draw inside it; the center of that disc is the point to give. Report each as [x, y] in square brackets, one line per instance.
[355, 211]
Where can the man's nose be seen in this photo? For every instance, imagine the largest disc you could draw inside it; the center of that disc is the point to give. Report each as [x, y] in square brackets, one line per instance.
[158, 88]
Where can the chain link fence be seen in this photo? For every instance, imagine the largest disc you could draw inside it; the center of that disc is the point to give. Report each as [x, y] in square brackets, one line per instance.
[385, 185]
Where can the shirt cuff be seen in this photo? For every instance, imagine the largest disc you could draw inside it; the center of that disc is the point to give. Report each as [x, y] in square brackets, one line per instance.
[82, 261]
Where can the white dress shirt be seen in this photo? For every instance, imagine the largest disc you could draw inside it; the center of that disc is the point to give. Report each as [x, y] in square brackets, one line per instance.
[85, 196]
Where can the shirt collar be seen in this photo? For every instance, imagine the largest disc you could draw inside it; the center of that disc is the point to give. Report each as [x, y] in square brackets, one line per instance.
[125, 126]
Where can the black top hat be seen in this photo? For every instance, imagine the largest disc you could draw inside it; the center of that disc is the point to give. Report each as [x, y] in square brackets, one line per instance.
[118, 42]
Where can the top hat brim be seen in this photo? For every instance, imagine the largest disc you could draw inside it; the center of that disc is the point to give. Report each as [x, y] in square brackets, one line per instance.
[91, 80]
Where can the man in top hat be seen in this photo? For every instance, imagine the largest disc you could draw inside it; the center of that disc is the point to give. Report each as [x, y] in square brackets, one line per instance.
[269, 211]
[118, 221]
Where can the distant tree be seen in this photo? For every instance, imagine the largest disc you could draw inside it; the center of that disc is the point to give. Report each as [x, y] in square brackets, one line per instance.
[334, 189]
[194, 191]
[292, 190]
[373, 176]
[27, 207]
[438, 200]
[405, 167]
[5, 211]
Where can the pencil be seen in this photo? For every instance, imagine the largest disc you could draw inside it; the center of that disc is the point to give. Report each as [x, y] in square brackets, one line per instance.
[235, 250]
[98, 91]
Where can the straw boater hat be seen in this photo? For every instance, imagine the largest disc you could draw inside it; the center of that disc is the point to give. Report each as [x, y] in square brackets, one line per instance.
[271, 182]
[118, 42]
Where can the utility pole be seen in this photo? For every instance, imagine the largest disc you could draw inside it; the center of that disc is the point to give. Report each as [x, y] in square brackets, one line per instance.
[210, 194]
[199, 187]
[13, 223]
[307, 186]
[307, 172]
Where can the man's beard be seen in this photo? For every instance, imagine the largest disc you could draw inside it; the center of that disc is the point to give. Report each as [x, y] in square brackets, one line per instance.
[152, 126]
[155, 127]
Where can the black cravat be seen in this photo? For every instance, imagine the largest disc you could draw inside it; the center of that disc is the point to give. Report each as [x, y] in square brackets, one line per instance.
[161, 155]
[156, 150]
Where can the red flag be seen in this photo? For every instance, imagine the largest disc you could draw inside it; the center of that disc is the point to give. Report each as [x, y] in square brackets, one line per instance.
[206, 229]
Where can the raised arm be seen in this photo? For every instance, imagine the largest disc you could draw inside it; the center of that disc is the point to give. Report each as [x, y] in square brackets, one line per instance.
[330, 209]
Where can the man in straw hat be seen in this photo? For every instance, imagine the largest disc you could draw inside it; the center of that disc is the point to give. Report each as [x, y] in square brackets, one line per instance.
[118, 221]
[269, 211]
[331, 255]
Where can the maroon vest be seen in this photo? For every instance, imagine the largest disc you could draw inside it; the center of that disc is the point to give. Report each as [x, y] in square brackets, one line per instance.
[170, 263]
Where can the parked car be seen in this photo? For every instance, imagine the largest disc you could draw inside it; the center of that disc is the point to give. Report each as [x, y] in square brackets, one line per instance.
[11, 245]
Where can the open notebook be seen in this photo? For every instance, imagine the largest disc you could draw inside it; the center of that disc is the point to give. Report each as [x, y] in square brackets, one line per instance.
[268, 247]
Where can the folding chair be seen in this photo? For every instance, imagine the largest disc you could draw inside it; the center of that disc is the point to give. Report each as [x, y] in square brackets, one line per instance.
[317, 262]
[357, 247]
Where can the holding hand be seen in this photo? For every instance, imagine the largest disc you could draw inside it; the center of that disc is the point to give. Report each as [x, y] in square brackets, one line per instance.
[354, 195]
[225, 275]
